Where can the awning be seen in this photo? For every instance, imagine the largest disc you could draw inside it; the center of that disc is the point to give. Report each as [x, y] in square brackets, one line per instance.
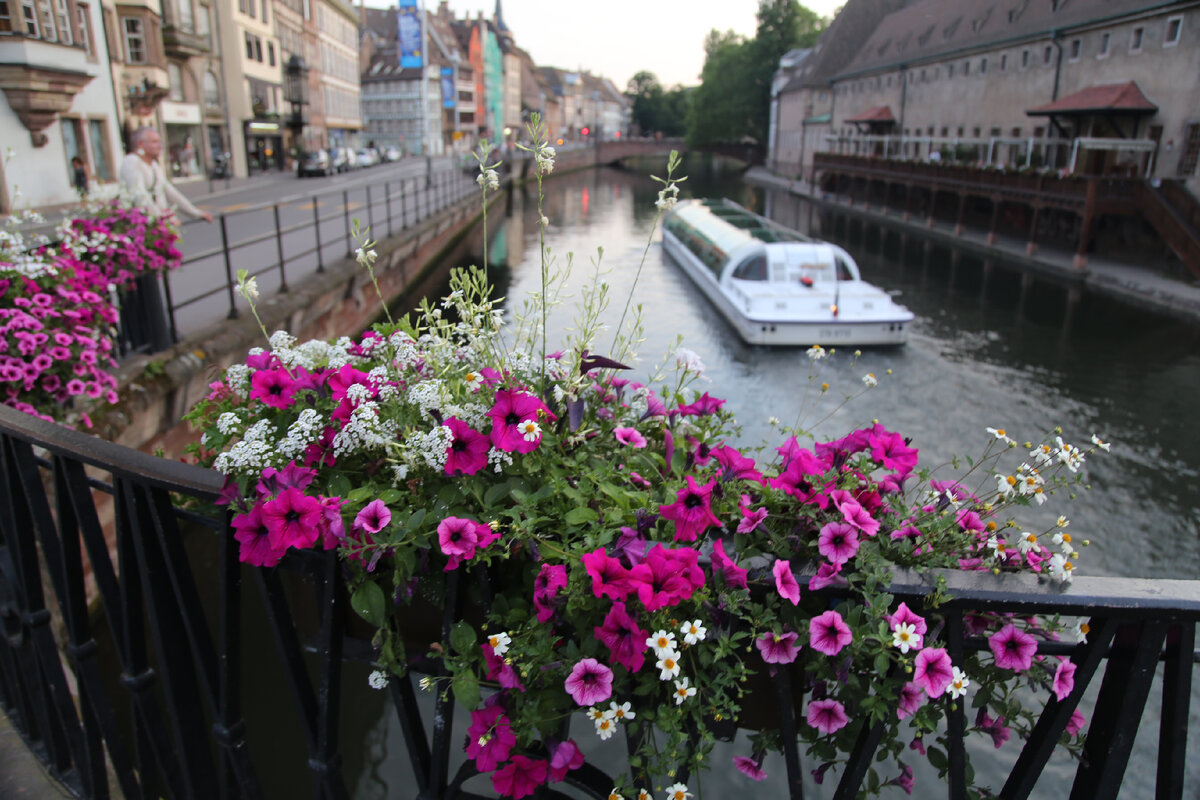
[1113, 98]
[879, 114]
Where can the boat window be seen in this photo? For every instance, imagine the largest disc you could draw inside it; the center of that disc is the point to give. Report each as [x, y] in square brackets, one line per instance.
[752, 269]
[843, 270]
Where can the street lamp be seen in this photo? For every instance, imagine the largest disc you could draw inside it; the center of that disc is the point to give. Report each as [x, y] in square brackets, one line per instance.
[295, 91]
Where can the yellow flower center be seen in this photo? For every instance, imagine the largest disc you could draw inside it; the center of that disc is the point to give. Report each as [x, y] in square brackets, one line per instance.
[1084, 628]
[1011, 480]
[991, 526]
[1000, 432]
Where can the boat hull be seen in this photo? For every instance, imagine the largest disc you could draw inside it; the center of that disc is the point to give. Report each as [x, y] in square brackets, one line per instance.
[784, 332]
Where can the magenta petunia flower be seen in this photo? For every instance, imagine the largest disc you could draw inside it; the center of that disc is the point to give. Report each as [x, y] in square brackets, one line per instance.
[490, 738]
[702, 406]
[520, 777]
[374, 517]
[589, 683]
[802, 479]
[630, 437]
[467, 452]
[457, 538]
[621, 634]
[510, 410]
[1064, 679]
[333, 527]
[292, 476]
[993, 727]
[751, 519]
[550, 580]
[828, 633]
[500, 670]
[293, 519]
[838, 541]
[1076, 723]
[749, 767]
[827, 575]
[827, 716]
[859, 517]
[890, 450]
[932, 671]
[666, 577]
[564, 757]
[254, 537]
[692, 511]
[904, 780]
[911, 699]
[609, 576]
[273, 387]
[904, 616]
[785, 581]
[778, 648]
[737, 466]
[725, 568]
[1013, 648]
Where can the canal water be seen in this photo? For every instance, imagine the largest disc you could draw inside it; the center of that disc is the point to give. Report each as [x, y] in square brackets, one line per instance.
[986, 350]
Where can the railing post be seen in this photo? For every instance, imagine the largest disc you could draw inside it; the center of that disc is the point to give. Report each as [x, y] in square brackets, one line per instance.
[283, 287]
[170, 306]
[370, 212]
[233, 312]
[346, 216]
[387, 205]
[403, 206]
[317, 232]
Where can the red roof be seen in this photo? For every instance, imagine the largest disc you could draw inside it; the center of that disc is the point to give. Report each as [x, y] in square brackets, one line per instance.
[1114, 97]
[877, 114]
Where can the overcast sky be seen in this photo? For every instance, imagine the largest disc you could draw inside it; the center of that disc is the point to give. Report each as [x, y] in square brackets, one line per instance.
[617, 38]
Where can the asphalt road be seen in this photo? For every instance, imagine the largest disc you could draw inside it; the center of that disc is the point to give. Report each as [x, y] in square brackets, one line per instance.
[304, 211]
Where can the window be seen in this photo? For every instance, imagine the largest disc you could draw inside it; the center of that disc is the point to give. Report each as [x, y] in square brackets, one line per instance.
[249, 46]
[1135, 40]
[271, 53]
[186, 19]
[98, 136]
[1076, 49]
[135, 40]
[62, 17]
[983, 66]
[258, 50]
[212, 91]
[1047, 54]
[1191, 152]
[72, 133]
[29, 11]
[175, 82]
[1104, 40]
[47, 20]
[949, 70]
[1170, 38]
[242, 6]
[6, 23]
[83, 21]
[966, 68]
[264, 11]
[202, 26]
[1004, 62]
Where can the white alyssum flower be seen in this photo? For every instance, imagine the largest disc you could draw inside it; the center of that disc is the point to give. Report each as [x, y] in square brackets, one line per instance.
[689, 360]
[428, 395]
[958, 684]
[282, 340]
[228, 423]
[683, 691]
[499, 459]
[378, 679]
[301, 433]
[237, 378]
[662, 641]
[365, 430]
[500, 642]
[430, 446]
[693, 632]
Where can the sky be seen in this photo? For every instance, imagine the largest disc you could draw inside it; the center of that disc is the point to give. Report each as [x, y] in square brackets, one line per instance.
[617, 38]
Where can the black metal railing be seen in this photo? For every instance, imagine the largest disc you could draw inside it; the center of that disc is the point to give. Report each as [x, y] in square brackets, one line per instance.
[174, 725]
[283, 242]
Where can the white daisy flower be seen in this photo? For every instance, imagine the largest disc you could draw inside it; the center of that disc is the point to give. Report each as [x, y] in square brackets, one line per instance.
[683, 691]
[500, 642]
[905, 637]
[958, 684]
[693, 632]
[662, 641]
[668, 665]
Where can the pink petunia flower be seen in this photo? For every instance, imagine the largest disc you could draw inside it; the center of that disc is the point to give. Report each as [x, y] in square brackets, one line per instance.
[828, 633]
[751, 519]
[273, 387]
[911, 699]
[827, 716]
[520, 777]
[785, 581]
[890, 450]
[1064, 679]
[589, 683]
[1076, 723]
[932, 671]
[702, 406]
[467, 451]
[254, 537]
[630, 437]
[778, 648]
[458, 539]
[725, 568]
[1013, 648]
[692, 510]
[500, 670]
[667, 576]
[904, 780]
[550, 580]
[737, 466]
[993, 727]
[564, 757]
[859, 517]
[374, 517]
[838, 541]
[749, 767]
[609, 576]
[293, 519]
[904, 616]
[509, 411]
[827, 575]
[490, 738]
[621, 634]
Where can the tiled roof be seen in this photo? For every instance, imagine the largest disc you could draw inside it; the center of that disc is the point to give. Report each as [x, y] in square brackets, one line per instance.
[877, 114]
[1112, 98]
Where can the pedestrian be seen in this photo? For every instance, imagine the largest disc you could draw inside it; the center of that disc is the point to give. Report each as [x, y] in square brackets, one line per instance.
[143, 178]
[79, 176]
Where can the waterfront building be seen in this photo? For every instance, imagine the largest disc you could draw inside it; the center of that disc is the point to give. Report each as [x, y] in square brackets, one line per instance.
[340, 95]
[956, 76]
[57, 99]
[192, 114]
[253, 80]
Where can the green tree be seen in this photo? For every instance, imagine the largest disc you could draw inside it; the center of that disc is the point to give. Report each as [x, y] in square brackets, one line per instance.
[646, 96]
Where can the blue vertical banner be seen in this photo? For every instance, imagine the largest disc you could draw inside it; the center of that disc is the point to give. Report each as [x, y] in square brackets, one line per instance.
[448, 99]
[409, 22]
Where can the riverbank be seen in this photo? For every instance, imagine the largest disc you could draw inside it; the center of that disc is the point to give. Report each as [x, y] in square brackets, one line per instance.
[1144, 286]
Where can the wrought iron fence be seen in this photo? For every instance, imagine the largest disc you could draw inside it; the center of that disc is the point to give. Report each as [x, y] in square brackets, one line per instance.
[182, 665]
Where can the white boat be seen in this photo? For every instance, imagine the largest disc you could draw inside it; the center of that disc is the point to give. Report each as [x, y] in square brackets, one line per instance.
[776, 286]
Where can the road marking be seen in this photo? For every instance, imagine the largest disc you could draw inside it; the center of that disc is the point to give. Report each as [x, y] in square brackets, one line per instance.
[234, 207]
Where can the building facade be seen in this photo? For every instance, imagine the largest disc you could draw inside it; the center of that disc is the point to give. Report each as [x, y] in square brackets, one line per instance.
[56, 101]
[340, 88]
[194, 133]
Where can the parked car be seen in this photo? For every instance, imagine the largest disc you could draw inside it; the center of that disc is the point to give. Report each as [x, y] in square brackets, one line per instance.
[368, 158]
[317, 162]
[392, 154]
[343, 159]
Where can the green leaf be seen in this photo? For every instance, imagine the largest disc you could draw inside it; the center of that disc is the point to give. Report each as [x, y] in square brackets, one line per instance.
[938, 759]
[462, 638]
[368, 602]
[416, 519]
[495, 493]
[581, 516]
[391, 496]
[466, 690]
[340, 485]
[881, 664]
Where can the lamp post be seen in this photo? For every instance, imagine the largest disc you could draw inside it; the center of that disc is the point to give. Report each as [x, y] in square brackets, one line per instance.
[295, 91]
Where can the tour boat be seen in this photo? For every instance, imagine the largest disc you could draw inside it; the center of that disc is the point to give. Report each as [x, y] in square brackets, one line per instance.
[776, 286]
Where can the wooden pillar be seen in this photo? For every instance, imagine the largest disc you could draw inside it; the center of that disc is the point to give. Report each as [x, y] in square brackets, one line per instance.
[988, 268]
[1031, 243]
[996, 204]
[1085, 226]
[962, 209]
[1026, 282]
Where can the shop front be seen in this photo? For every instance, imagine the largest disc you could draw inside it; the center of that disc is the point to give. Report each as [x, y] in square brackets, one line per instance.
[185, 151]
[264, 146]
